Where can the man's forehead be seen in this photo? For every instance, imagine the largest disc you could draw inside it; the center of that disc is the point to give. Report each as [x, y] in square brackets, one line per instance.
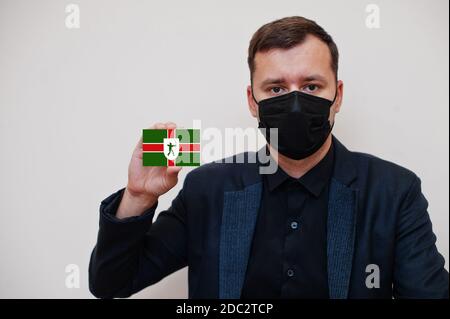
[310, 57]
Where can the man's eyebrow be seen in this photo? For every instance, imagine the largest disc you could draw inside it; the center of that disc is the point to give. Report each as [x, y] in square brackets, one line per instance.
[272, 81]
[312, 77]
[315, 77]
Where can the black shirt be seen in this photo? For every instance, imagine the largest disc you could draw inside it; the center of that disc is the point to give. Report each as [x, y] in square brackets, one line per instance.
[288, 258]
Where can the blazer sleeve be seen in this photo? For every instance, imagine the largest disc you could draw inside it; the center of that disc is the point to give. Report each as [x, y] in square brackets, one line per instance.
[418, 267]
[134, 253]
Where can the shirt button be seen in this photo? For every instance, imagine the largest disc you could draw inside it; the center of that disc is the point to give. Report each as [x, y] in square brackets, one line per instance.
[290, 272]
[294, 225]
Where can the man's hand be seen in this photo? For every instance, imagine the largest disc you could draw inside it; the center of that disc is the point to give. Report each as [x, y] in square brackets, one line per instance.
[146, 184]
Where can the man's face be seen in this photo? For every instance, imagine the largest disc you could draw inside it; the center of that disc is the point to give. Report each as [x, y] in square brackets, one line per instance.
[305, 67]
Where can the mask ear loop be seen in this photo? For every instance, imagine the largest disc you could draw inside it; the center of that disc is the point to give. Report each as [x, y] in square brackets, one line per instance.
[267, 131]
[334, 100]
[335, 96]
[251, 87]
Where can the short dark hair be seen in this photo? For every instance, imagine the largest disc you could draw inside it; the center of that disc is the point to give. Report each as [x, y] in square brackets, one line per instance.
[286, 33]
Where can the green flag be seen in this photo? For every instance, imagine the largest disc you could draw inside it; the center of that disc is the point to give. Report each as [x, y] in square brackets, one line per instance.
[171, 147]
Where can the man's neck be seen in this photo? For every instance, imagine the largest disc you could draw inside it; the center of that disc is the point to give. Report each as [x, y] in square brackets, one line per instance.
[298, 168]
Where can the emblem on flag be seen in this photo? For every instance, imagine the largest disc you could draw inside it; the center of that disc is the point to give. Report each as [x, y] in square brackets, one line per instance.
[171, 147]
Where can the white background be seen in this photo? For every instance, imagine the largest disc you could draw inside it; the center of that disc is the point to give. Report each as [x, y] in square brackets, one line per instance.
[73, 103]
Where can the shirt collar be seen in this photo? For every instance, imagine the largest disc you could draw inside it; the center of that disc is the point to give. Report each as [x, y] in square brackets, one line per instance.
[315, 180]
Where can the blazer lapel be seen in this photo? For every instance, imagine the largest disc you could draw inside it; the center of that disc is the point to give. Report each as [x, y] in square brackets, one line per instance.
[240, 211]
[341, 225]
[340, 238]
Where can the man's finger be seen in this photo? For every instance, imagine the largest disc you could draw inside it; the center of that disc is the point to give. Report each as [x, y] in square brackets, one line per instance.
[159, 126]
[170, 125]
[173, 170]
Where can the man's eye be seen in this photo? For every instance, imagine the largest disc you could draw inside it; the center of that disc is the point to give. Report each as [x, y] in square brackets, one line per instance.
[276, 90]
[311, 88]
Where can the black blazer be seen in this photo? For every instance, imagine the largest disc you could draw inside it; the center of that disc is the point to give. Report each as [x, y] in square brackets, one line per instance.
[377, 215]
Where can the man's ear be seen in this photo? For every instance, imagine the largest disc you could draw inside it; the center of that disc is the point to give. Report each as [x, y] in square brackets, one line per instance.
[339, 97]
[252, 106]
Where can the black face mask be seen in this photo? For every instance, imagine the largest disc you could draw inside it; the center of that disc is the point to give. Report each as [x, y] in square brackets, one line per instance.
[301, 120]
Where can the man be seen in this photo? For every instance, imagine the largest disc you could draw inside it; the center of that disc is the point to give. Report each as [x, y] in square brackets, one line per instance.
[329, 223]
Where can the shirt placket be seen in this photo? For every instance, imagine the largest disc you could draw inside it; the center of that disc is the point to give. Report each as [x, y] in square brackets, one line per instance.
[295, 201]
